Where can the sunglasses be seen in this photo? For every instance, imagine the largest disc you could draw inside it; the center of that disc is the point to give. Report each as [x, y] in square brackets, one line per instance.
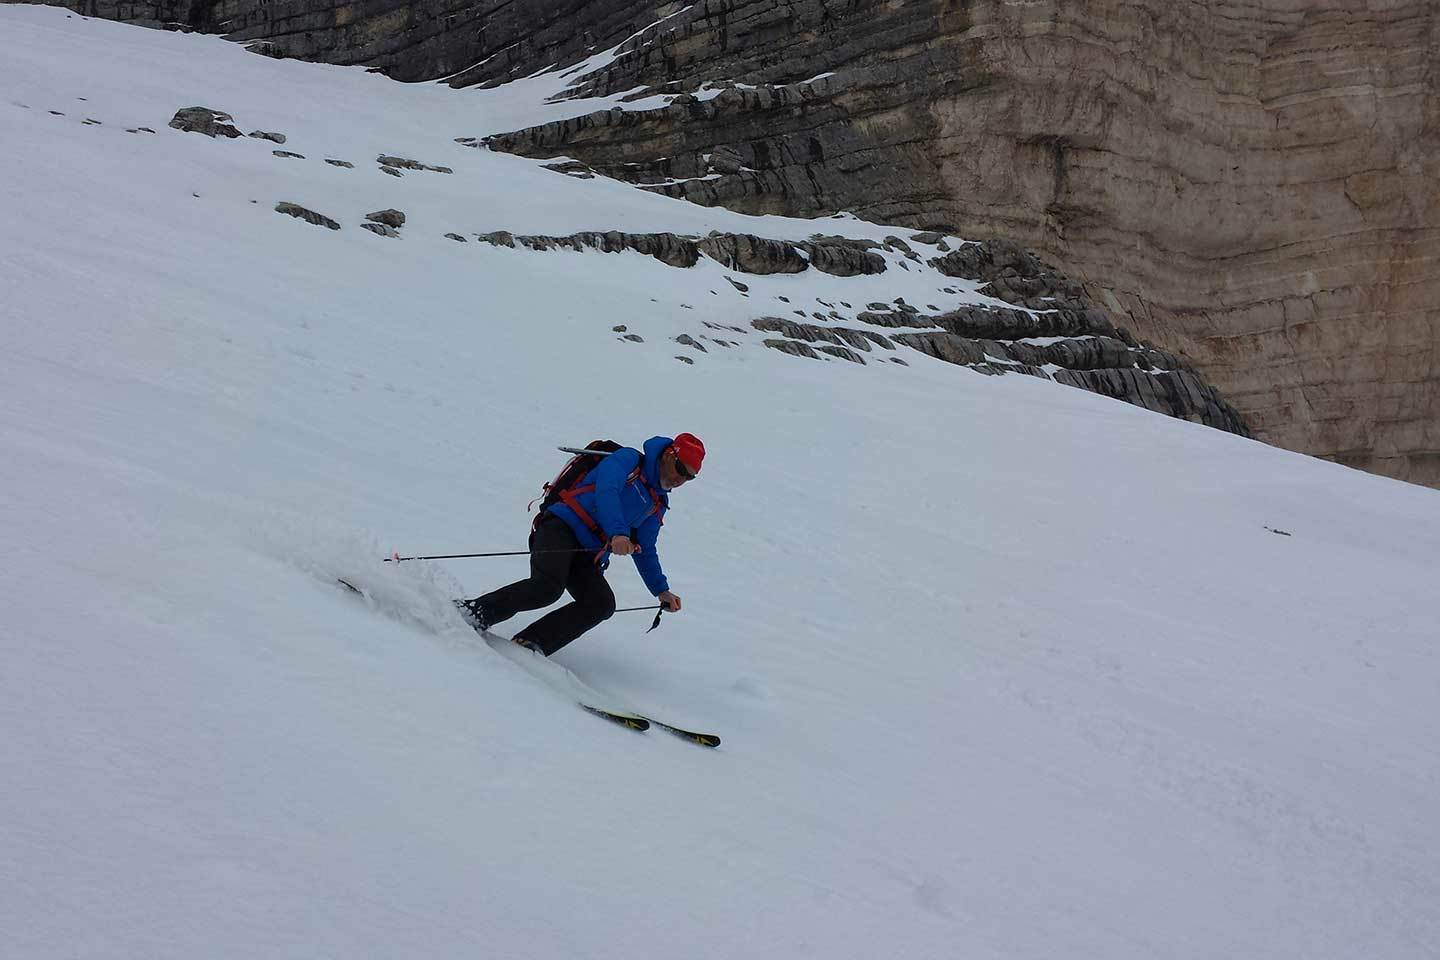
[683, 470]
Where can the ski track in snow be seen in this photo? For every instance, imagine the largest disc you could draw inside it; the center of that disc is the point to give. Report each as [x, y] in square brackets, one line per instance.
[1004, 669]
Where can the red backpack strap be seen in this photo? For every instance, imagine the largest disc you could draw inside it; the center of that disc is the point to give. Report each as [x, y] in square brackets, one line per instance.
[571, 499]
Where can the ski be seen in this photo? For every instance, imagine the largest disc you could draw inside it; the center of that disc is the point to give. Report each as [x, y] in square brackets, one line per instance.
[626, 720]
[568, 685]
[563, 682]
[701, 739]
[566, 682]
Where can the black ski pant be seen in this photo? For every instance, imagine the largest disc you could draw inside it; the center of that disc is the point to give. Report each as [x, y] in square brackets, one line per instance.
[551, 574]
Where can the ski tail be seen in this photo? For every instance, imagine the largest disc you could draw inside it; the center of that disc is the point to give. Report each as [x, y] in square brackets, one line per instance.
[627, 720]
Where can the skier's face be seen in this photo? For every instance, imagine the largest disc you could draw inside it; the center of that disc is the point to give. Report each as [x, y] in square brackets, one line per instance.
[673, 473]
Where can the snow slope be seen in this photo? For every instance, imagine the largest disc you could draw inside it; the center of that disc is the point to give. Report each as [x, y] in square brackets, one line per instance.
[1004, 669]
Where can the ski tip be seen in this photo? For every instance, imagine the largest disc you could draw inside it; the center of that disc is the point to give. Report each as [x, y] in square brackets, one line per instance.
[703, 739]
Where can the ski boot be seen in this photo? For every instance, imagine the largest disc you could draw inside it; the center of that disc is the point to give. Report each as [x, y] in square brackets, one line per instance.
[475, 614]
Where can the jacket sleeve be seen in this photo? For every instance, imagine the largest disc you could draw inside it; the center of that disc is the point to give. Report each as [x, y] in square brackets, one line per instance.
[609, 479]
[647, 561]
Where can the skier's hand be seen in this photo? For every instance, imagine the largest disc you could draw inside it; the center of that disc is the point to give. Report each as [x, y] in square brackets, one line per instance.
[671, 602]
[622, 546]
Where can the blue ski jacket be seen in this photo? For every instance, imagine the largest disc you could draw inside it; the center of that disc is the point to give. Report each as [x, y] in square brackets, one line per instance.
[625, 509]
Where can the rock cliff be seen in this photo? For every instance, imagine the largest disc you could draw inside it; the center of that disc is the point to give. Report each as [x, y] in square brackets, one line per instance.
[1250, 184]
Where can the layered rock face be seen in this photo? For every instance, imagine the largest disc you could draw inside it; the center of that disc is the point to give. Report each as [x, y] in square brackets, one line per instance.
[1251, 184]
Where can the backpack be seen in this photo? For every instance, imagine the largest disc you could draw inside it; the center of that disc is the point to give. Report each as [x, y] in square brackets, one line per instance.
[565, 485]
[573, 472]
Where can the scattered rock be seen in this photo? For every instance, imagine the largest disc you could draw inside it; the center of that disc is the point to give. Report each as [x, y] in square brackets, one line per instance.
[90, 123]
[56, 113]
[405, 164]
[500, 238]
[793, 347]
[619, 328]
[633, 338]
[309, 216]
[340, 163]
[684, 359]
[390, 170]
[690, 341]
[287, 153]
[809, 332]
[381, 229]
[456, 236]
[844, 353]
[391, 218]
[724, 326]
[265, 135]
[738, 285]
[211, 123]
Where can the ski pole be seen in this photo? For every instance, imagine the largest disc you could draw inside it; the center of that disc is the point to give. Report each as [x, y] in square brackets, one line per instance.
[658, 608]
[597, 453]
[396, 558]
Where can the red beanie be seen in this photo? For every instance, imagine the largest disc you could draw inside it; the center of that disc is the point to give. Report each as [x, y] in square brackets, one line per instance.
[689, 451]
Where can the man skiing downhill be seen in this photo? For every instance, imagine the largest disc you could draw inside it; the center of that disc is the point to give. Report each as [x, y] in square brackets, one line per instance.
[616, 508]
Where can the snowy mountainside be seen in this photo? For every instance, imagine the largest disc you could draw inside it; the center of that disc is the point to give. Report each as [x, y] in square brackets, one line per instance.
[1004, 669]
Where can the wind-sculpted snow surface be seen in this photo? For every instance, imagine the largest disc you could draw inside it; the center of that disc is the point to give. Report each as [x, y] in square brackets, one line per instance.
[1003, 668]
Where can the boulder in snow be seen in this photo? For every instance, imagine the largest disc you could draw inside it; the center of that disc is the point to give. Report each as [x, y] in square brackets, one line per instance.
[212, 123]
[391, 218]
[309, 216]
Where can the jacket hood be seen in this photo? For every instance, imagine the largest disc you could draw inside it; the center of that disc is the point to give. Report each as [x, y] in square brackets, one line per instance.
[653, 448]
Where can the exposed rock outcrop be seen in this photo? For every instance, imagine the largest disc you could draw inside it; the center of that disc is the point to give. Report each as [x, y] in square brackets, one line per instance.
[391, 218]
[737, 251]
[1078, 344]
[211, 123]
[400, 163]
[302, 213]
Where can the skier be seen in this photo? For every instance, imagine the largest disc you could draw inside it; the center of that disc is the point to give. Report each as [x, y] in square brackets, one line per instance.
[617, 507]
